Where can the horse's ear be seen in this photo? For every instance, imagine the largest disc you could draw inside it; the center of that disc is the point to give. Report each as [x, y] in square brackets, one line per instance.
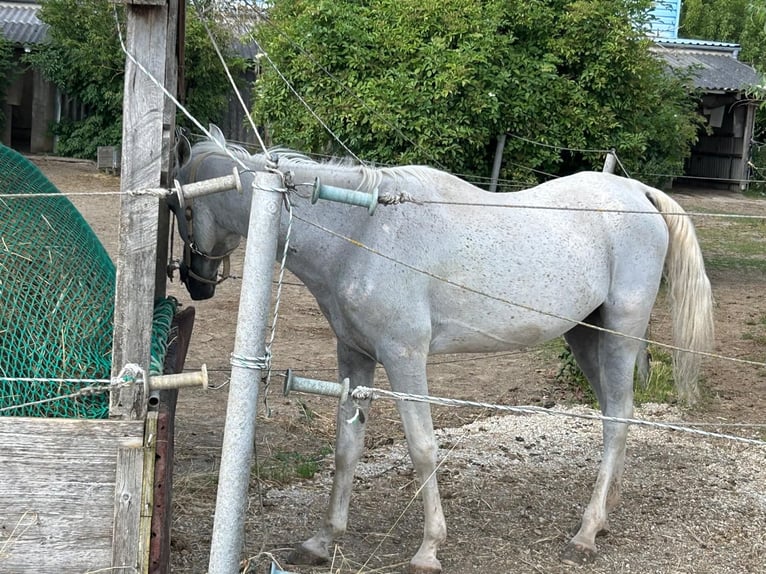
[182, 150]
[217, 135]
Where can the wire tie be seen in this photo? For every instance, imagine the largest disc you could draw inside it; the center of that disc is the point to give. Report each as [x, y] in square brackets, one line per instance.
[362, 393]
[128, 374]
[251, 363]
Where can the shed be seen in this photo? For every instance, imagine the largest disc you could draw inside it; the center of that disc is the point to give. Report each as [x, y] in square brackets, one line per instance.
[32, 102]
[721, 155]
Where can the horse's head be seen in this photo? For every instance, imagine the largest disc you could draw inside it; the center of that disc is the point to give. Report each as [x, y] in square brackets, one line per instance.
[207, 244]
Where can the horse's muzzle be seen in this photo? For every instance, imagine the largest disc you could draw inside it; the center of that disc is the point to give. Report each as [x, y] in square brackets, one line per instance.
[198, 290]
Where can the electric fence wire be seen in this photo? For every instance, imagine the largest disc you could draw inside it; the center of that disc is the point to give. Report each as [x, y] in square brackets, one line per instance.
[529, 141]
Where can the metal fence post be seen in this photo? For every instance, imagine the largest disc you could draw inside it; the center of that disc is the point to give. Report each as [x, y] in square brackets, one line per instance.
[249, 347]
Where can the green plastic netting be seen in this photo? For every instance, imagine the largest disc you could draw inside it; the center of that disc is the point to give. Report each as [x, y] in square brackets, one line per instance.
[56, 301]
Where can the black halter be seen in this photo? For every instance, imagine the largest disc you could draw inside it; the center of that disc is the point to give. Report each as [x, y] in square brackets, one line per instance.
[185, 230]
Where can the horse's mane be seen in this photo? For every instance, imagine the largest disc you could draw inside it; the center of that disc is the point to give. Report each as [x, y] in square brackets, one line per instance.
[210, 146]
[371, 177]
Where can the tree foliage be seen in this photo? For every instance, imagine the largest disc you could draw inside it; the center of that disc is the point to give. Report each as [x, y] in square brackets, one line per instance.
[719, 20]
[739, 21]
[83, 57]
[436, 81]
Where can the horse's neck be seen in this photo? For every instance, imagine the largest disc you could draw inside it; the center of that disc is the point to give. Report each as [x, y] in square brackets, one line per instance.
[351, 177]
[313, 246]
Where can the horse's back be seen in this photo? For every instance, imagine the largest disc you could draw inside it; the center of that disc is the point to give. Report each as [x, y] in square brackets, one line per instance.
[499, 271]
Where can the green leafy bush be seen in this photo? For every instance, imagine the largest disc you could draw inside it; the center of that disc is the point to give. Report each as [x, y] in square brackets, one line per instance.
[436, 81]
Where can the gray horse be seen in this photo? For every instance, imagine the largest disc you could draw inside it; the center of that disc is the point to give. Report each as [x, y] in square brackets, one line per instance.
[460, 270]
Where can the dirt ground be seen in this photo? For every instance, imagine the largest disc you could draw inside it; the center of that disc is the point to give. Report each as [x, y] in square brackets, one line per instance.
[513, 486]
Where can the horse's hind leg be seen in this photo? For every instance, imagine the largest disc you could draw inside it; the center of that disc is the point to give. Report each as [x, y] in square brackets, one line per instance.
[608, 361]
[349, 444]
[584, 343]
[643, 364]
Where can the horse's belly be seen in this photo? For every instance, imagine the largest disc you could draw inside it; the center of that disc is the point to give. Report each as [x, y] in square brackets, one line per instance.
[471, 336]
[516, 318]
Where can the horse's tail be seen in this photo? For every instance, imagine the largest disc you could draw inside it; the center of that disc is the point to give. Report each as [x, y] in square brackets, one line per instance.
[691, 298]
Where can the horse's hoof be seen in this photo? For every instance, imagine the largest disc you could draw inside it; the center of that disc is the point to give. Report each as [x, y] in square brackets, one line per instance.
[434, 568]
[578, 555]
[305, 556]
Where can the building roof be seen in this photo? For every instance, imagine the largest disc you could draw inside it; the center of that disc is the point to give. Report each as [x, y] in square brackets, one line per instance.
[19, 23]
[713, 65]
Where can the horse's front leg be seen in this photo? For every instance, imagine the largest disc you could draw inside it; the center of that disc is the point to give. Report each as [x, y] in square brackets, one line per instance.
[349, 443]
[410, 377]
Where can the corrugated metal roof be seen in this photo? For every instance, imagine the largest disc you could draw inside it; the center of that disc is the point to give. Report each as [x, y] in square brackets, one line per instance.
[711, 70]
[707, 44]
[19, 23]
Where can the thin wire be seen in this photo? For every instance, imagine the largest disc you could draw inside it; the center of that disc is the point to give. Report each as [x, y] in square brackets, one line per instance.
[85, 391]
[59, 194]
[308, 107]
[557, 147]
[704, 178]
[591, 209]
[277, 301]
[424, 202]
[367, 393]
[521, 305]
[348, 90]
[170, 96]
[231, 79]
[533, 170]
[52, 380]
[619, 162]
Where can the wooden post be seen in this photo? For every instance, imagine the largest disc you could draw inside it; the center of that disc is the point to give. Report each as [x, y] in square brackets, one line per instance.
[746, 145]
[143, 111]
[145, 122]
[497, 163]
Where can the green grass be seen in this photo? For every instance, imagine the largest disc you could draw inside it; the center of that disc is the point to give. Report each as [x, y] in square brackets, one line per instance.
[729, 243]
[755, 331]
[285, 467]
[659, 388]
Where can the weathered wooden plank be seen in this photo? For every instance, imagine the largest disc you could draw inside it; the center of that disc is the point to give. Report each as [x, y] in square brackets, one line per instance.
[126, 542]
[175, 34]
[147, 490]
[38, 541]
[57, 484]
[143, 111]
[168, 142]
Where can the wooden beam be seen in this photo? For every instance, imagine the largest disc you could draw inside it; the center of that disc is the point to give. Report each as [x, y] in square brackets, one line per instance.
[126, 535]
[147, 491]
[57, 484]
[134, 502]
[168, 143]
[143, 111]
[747, 140]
